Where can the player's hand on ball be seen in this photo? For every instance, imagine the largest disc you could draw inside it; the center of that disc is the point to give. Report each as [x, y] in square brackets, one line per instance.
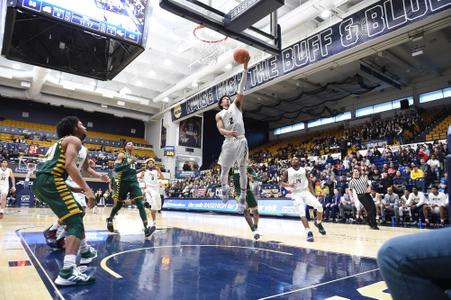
[91, 198]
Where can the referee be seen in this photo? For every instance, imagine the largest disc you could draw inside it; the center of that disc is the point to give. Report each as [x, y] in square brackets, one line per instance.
[362, 188]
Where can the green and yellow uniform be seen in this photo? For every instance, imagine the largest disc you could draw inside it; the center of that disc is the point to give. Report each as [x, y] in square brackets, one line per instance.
[126, 181]
[50, 184]
[250, 198]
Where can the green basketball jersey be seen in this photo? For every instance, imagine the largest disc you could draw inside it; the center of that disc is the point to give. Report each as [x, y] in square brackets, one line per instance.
[129, 172]
[54, 162]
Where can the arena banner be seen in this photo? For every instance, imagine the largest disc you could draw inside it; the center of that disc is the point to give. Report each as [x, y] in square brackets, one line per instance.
[272, 207]
[190, 132]
[365, 25]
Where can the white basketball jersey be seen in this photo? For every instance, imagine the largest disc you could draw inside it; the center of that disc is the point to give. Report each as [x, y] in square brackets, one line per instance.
[299, 178]
[151, 180]
[81, 158]
[4, 176]
[233, 119]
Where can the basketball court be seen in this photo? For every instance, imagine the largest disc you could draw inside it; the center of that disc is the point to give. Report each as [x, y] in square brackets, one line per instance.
[155, 78]
[198, 256]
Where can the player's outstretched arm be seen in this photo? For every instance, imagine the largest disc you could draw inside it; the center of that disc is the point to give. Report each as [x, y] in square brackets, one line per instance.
[93, 173]
[239, 101]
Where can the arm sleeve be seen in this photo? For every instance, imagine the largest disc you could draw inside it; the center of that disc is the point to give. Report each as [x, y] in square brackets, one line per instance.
[242, 82]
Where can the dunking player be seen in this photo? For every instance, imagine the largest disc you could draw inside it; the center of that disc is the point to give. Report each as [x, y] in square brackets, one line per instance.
[50, 186]
[251, 202]
[152, 188]
[56, 233]
[126, 182]
[5, 174]
[229, 122]
[295, 178]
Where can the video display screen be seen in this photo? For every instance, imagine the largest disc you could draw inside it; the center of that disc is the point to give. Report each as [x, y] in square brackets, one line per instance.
[122, 19]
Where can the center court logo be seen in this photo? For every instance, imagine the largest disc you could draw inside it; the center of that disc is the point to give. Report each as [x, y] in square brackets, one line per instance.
[177, 111]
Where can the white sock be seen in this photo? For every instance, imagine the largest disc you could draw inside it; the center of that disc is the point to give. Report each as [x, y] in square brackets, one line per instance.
[84, 247]
[69, 261]
[55, 226]
[2, 210]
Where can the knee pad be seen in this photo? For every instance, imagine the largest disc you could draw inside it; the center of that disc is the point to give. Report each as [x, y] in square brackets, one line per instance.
[74, 226]
[319, 209]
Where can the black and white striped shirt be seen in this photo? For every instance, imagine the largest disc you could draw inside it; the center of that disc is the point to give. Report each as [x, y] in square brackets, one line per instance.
[360, 185]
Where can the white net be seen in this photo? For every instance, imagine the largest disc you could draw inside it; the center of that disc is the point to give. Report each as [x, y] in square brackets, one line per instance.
[209, 45]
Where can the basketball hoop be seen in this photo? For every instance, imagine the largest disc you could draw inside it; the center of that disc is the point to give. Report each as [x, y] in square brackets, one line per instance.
[210, 45]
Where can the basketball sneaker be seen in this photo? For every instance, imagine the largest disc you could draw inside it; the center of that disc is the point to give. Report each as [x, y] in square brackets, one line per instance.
[320, 228]
[225, 193]
[50, 237]
[88, 256]
[256, 235]
[309, 236]
[109, 224]
[73, 276]
[149, 230]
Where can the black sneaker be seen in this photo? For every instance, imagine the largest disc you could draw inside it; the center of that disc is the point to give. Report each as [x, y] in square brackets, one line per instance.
[109, 224]
[309, 236]
[374, 227]
[149, 230]
[320, 228]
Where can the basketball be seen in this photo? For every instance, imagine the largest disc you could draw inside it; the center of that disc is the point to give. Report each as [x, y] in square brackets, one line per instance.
[240, 55]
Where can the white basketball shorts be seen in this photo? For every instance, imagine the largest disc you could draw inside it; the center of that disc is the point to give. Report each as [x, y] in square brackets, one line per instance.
[234, 150]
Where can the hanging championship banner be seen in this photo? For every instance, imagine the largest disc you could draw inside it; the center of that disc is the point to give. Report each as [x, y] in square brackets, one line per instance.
[365, 25]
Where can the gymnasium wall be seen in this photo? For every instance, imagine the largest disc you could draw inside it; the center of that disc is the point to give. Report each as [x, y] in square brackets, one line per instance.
[256, 134]
[48, 114]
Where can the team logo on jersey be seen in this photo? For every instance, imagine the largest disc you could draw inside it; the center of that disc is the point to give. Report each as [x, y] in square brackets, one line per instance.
[177, 111]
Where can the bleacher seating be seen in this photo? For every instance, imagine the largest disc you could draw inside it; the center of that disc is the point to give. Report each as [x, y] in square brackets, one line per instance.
[439, 132]
[110, 143]
[51, 129]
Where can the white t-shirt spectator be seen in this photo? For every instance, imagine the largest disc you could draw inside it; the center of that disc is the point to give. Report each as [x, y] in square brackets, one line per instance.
[440, 199]
[416, 200]
[433, 163]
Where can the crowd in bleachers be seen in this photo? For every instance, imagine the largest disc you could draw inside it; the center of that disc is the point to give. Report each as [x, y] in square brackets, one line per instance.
[394, 171]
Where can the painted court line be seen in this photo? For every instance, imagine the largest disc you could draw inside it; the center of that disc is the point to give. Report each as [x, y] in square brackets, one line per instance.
[57, 291]
[317, 285]
[107, 269]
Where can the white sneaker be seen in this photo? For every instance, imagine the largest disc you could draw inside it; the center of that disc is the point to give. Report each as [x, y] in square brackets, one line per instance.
[256, 235]
[73, 276]
[88, 256]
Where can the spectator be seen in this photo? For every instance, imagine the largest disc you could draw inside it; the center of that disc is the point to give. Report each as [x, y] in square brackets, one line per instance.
[390, 204]
[436, 204]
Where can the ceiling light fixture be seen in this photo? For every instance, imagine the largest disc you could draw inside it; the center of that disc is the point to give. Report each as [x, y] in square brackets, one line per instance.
[167, 62]
[228, 67]
[195, 84]
[125, 90]
[120, 103]
[139, 83]
[104, 106]
[152, 73]
[417, 52]
[166, 99]
[16, 66]
[325, 14]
